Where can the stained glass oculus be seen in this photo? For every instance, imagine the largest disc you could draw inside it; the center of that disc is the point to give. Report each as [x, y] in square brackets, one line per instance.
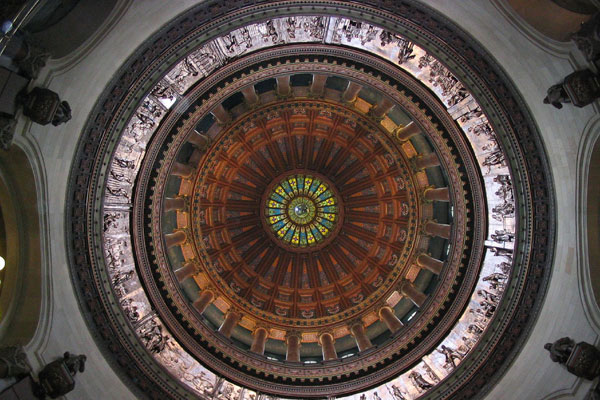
[302, 210]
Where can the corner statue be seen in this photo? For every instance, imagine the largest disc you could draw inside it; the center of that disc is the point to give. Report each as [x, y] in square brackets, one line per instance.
[560, 350]
[57, 378]
[581, 359]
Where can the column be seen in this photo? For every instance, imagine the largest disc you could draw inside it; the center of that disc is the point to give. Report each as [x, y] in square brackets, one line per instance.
[260, 339]
[437, 194]
[172, 204]
[351, 92]
[283, 86]
[199, 139]
[407, 131]
[223, 117]
[317, 87]
[250, 96]
[378, 111]
[231, 320]
[427, 161]
[435, 229]
[415, 295]
[326, 341]
[187, 271]
[175, 239]
[387, 315]
[430, 263]
[206, 298]
[182, 170]
[292, 340]
[362, 340]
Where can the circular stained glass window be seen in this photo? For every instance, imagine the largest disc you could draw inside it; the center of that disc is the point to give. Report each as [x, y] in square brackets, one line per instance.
[302, 210]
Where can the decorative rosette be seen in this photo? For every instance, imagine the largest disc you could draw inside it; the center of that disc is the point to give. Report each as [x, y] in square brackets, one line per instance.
[302, 210]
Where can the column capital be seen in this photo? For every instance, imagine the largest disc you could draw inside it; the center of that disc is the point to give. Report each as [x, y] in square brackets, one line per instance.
[431, 193]
[293, 333]
[261, 327]
[404, 132]
[322, 333]
[388, 317]
[355, 321]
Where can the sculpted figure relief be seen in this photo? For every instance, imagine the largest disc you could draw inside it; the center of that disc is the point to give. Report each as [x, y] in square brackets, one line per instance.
[560, 350]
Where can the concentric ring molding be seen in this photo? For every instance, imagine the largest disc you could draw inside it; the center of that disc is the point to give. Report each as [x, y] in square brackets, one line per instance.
[504, 111]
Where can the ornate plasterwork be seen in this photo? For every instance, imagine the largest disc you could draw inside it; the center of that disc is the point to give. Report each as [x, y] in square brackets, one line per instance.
[502, 233]
[416, 329]
[399, 244]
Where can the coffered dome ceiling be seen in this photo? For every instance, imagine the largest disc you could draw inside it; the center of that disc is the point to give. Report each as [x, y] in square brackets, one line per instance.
[310, 200]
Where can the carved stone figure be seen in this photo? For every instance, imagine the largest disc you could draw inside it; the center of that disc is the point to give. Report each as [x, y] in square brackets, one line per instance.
[582, 87]
[163, 91]
[471, 114]
[117, 192]
[130, 310]
[451, 355]
[494, 157]
[587, 39]
[503, 210]
[7, 130]
[405, 53]
[502, 236]
[497, 281]
[490, 297]
[291, 27]
[110, 221]
[556, 96]
[420, 383]
[62, 114]
[581, 359]
[74, 363]
[505, 190]
[124, 163]
[584, 361]
[469, 342]
[29, 57]
[122, 277]
[397, 393]
[506, 253]
[487, 308]
[579, 88]
[474, 330]
[13, 362]
[43, 106]
[152, 336]
[271, 33]
[560, 350]
[56, 379]
[315, 27]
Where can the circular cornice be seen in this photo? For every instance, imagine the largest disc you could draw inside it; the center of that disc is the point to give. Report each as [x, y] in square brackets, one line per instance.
[515, 132]
[414, 334]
